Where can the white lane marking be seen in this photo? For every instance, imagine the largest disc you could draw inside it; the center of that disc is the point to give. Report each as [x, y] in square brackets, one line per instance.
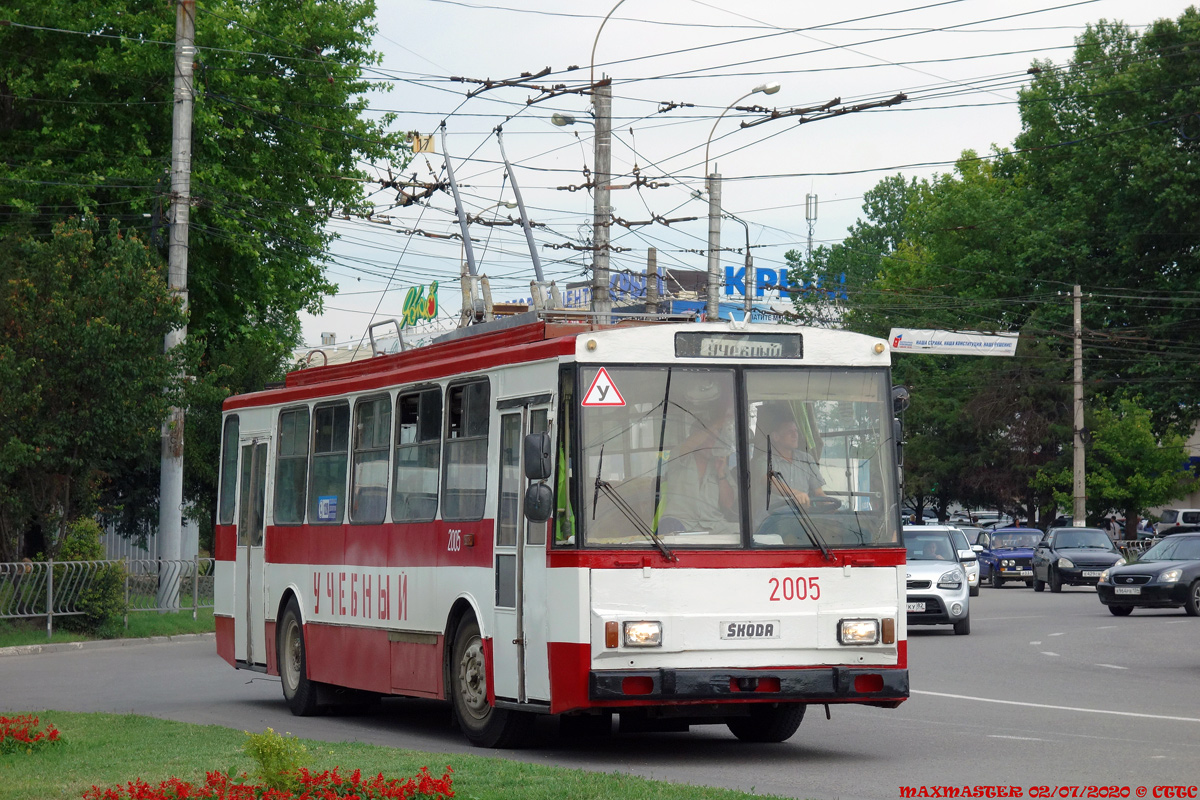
[1048, 653]
[1019, 738]
[1056, 708]
[1111, 666]
[1035, 642]
[1105, 627]
[1058, 634]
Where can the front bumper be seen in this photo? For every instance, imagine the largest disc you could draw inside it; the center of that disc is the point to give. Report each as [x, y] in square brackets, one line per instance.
[937, 610]
[1075, 576]
[1153, 595]
[814, 684]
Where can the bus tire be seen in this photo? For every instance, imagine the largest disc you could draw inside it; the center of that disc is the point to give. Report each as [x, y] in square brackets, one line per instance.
[768, 722]
[299, 692]
[483, 724]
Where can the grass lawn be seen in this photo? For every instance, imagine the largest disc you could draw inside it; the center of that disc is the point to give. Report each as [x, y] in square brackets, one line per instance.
[141, 624]
[110, 749]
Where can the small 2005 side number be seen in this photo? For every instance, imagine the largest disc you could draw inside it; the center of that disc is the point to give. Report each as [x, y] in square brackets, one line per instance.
[798, 588]
[455, 541]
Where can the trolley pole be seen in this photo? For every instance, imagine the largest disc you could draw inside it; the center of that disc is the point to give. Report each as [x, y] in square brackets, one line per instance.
[170, 493]
[1080, 510]
[602, 208]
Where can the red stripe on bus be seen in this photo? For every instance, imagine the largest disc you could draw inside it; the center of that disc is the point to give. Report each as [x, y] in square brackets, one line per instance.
[225, 639]
[416, 544]
[725, 559]
[354, 657]
[475, 359]
[491, 674]
[569, 666]
[225, 543]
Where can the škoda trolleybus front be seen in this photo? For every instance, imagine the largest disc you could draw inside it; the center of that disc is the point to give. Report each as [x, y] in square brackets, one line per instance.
[678, 524]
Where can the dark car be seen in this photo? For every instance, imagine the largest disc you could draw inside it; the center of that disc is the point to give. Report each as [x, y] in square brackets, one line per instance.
[1073, 557]
[1174, 529]
[1166, 576]
[1008, 555]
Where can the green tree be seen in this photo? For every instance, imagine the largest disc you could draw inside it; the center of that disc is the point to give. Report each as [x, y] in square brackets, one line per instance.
[281, 136]
[1129, 468]
[83, 379]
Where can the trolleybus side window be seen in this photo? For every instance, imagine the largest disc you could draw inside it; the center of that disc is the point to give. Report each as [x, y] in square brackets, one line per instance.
[418, 456]
[539, 422]
[291, 471]
[564, 480]
[372, 440]
[229, 454]
[464, 486]
[331, 438]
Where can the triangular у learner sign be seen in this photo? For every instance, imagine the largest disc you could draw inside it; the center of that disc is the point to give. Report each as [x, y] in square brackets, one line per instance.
[603, 392]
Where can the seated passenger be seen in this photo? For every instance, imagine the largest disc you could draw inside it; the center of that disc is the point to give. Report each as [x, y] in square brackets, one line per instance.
[699, 490]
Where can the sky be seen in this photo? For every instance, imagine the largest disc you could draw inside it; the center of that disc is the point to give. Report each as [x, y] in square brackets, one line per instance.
[677, 66]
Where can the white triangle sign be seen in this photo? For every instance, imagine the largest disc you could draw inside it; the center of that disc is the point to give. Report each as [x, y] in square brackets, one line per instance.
[603, 392]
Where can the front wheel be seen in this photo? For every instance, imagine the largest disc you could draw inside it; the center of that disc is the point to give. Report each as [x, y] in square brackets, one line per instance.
[1192, 606]
[1121, 611]
[299, 692]
[1055, 581]
[1038, 585]
[963, 626]
[997, 581]
[483, 724]
[768, 723]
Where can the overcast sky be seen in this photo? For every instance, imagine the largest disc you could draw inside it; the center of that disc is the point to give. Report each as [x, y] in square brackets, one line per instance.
[676, 65]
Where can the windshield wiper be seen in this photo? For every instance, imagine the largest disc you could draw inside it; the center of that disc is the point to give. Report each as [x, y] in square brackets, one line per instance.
[806, 523]
[626, 510]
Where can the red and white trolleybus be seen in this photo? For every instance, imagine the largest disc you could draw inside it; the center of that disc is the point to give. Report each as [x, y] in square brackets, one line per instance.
[677, 523]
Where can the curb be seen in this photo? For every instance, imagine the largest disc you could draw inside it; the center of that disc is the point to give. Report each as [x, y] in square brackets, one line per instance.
[100, 644]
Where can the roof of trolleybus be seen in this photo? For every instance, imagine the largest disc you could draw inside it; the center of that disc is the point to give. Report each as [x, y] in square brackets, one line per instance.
[527, 337]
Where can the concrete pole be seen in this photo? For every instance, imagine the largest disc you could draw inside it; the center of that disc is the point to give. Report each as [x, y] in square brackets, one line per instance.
[652, 281]
[1080, 492]
[602, 208]
[170, 492]
[714, 246]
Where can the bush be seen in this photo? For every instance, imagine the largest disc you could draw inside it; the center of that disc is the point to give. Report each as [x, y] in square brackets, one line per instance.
[279, 759]
[102, 597]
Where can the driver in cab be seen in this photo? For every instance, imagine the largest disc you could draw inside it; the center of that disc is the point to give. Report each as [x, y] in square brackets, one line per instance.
[795, 464]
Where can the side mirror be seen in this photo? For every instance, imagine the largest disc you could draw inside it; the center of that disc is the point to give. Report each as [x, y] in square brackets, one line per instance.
[900, 400]
[898, 436]
[537, 456]
[539, 502]
[966, 555]
[978, 548]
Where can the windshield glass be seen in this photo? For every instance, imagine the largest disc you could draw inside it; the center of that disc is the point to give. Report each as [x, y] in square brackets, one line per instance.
[683, 451]
[1010, 540]
[1174, 549]
[1083, 537]
[929, 546]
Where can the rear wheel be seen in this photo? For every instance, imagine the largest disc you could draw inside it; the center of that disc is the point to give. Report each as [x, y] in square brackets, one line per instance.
[1120, 611]
[299, 692]
[963, 626]
[768, 723]
[1055, 581]
[483, 724]
[1192, 606]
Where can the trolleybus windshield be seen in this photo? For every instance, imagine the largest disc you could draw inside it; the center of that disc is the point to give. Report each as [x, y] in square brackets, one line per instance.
[736, 457]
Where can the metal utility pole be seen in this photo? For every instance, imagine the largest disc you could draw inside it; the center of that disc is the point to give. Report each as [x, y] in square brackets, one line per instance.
[170, 491]
[602, 209]
[1080, 510]
[713, 307]
[810, 214]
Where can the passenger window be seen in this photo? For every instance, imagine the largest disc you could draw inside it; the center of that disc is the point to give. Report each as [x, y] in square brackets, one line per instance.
[372, 437]
[465, 480]
[418, 456]
[229, 456]
[291, 470]
[331, 438]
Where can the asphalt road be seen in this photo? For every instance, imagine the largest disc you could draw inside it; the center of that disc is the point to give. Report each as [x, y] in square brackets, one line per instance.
[1048, 690]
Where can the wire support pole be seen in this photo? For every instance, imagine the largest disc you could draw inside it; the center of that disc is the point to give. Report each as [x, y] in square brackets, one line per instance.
[602, 208]
[1080, 488]
[170, 499]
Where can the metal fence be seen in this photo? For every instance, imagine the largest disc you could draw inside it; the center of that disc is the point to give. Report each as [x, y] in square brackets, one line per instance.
[50, 589]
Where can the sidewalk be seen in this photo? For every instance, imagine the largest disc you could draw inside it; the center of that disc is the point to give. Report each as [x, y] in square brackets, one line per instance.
[34, 649]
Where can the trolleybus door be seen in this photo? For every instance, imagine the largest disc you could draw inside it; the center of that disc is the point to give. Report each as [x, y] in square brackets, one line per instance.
[520, 662]
[249, 623]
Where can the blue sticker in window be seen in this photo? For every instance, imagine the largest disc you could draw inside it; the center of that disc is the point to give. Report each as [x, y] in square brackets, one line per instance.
[327, 508]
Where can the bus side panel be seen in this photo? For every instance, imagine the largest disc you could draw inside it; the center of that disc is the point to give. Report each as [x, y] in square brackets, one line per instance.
[355, 657]
[569, 647]
[569, 666]
[225, 639]
[417, 668]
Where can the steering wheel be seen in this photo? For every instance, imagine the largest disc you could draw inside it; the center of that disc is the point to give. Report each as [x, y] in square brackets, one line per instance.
[825, 504]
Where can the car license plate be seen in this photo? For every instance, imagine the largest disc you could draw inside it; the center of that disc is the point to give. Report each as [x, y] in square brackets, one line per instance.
[1127, 590]
[1020, 573]
[914, 606]
[1091, 573]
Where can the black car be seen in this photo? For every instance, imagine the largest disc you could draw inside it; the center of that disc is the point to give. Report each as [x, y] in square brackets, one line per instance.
[1166, 576]
[1073, 557]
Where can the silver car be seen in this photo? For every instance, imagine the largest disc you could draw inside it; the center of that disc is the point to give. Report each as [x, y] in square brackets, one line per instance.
[938, 590]
[967, 557]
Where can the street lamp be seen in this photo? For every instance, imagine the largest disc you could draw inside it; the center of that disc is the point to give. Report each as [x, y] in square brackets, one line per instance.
[712, 310]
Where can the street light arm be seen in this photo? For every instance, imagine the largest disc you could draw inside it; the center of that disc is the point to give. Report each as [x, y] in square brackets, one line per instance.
[718, 122]
[596, 41]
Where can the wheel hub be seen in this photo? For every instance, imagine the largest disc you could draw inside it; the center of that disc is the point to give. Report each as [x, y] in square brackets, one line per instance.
[473, 680]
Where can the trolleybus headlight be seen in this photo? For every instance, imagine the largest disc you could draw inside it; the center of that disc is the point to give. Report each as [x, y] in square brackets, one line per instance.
[643, 634]
[858, 631]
